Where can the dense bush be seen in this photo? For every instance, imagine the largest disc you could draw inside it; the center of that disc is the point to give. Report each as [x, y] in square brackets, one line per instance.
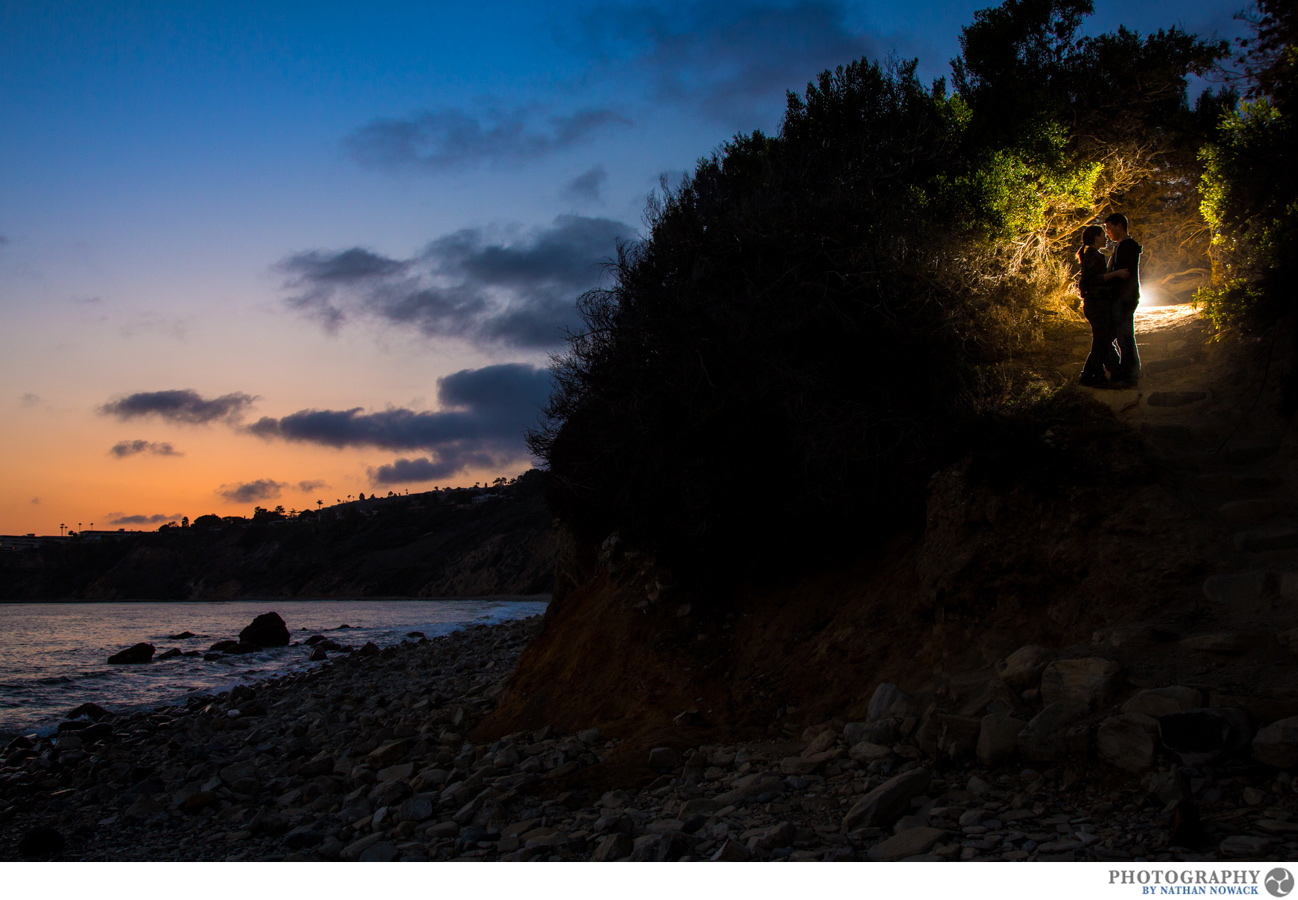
[1250, 184]
[816, 317]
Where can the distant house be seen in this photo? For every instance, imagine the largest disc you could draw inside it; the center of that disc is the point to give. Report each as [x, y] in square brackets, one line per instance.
[9, 542]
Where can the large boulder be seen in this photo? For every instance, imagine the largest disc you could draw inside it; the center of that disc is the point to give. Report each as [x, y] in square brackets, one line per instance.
[998, 738]
[1128, 741]
[1164, 701]
[1277, 744]
[1198, 736]
[886, 803]
[1080, 684]
[1022, 669]
[267, 630]
[888, 702]
[140, 653]
[1051, 735]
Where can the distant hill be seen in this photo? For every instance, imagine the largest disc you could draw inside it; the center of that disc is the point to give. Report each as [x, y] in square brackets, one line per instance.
[448, 543]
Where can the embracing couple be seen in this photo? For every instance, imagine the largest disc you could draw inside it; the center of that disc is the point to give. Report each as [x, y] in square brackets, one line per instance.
[1110, 293]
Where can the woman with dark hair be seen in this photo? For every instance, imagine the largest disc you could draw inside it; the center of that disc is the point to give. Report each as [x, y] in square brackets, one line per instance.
[1098, 307]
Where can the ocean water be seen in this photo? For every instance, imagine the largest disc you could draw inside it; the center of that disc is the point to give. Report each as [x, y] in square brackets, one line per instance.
[53, 656]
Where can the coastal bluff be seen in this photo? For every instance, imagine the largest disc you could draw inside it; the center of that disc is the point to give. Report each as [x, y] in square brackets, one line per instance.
[503, 545]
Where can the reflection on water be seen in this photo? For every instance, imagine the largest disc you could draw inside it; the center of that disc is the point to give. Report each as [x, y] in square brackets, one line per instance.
[53, 655]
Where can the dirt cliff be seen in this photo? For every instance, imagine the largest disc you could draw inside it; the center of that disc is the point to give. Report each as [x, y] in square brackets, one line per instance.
[1127, 528]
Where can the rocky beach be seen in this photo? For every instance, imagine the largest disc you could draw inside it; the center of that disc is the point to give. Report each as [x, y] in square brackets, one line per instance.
[371, 757]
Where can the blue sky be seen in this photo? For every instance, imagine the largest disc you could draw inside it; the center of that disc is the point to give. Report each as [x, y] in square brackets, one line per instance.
[334, 207]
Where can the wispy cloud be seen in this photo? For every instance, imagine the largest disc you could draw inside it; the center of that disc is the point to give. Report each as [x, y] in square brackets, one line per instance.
[123, 449]
[481, 424]
[251, 491]
[450, 138]
[732, 62]
[181, 406]
[512, 287]
[29, 400]
[117, 518]
[152, 323]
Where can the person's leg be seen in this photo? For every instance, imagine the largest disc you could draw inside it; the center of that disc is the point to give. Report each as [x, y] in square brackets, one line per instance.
[1101, 342]
[1129, 369]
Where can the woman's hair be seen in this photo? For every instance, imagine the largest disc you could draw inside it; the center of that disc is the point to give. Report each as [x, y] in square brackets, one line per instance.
[1089, 234]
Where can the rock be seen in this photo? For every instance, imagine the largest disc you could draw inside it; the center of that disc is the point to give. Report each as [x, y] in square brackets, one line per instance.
[781, 835]
[90, 710]
[199, 800]
[1221, 643]
[588, 735]
[1277, 744]
[883, 731]
[731, 851]
[998, 738]
[304, 836]
[183, 636]
[911, 842]
[1164, 701]
[267, 630]
[948, 733]
[222, 646]
[888, 702]
[805, 765]
[1045, 738]
[370, 649]
[1022, 669]
[691, 718]
[1242, 846]
[318, 654]
[418, 808]
[886, 803]
[390, 753]
[1128, 741]
[866, 752]
[664, 759]
[140, 653]
[1199, 736]
[613, 847]
[41, 842]
[1081, 685]
[652, 848]
[239, 648]
[144, 807]
[170, 654]
[383, 851]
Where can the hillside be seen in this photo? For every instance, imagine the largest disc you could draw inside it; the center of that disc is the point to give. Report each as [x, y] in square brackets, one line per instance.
[408, 547]
[1154, 529]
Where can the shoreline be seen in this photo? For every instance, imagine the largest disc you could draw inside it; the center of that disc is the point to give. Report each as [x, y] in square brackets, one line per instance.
[496, 598]
[366, 758]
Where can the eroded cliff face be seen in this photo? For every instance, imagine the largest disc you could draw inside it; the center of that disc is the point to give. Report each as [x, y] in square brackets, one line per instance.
[1051, 558]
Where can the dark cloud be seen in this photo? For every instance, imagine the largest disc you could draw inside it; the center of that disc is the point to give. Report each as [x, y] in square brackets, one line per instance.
[444, 139]
[123, 449]
[180, 406]
[516, 289]
[731, 61]
[29, 399]
[481, 424]
[588, 187]
[116, 518]
[250, 491]
[36, 501]
[307, 487]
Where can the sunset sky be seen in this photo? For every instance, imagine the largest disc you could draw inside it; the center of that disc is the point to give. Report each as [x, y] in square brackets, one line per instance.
[274, 253]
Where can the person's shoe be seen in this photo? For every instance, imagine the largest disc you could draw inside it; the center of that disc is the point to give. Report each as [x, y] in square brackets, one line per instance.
[1092, 381]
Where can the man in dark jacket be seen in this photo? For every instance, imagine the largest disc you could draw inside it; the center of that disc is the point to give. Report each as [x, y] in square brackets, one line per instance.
[1126, 297]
